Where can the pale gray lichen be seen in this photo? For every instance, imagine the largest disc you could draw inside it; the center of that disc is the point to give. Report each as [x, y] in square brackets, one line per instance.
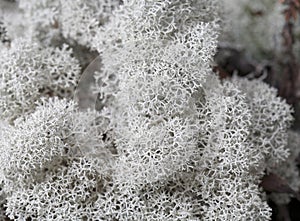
[29, 72]
[245, 25]
[170, 142]
[288, 170]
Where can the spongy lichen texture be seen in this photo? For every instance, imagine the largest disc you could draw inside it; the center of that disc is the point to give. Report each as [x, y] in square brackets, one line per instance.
[245, 25]
[29, 72]
[170, 142]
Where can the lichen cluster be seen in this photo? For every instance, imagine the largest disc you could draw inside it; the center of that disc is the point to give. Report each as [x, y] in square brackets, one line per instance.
[170, 140]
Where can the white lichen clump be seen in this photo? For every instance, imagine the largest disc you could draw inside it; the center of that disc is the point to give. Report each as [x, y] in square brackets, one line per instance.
[170, 142]
[254, 25]
[288, 170]
[52, 21]
[29, 72]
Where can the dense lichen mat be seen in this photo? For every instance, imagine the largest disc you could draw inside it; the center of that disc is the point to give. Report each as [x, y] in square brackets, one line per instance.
[110, 110]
